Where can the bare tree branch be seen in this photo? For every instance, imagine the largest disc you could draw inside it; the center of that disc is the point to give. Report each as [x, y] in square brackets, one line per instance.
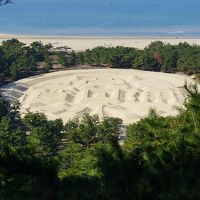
[4, 2]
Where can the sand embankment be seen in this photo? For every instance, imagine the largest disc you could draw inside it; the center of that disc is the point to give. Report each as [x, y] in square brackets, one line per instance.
[81, 43]
[128, 94]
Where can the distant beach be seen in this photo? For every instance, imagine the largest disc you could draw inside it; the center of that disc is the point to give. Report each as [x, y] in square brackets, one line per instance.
[81, 43]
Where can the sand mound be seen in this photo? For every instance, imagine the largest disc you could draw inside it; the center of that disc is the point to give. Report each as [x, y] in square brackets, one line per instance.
[127, 94]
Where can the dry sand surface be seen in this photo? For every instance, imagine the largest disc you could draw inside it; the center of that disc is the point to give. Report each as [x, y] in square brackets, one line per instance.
[78, 43]
[128, 94]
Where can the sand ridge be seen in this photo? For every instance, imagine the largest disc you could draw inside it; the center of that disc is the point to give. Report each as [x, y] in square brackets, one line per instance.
[128, 94]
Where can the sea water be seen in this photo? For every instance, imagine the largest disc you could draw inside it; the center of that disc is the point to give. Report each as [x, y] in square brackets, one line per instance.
[174, 18]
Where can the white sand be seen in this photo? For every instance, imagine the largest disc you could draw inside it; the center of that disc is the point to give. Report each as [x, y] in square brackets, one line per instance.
[78, 43]
[128, 94]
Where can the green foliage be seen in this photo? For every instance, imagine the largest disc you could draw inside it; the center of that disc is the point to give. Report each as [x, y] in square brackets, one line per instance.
[17, 60]
[143, 61]
[48, 63]
[40, 51]
[83, 132]
[80, 58]
[66, 57]
[72, 58]
[194, 105]
[168, 151]
[156, 57]
[46, 136]
[62, 59]
[89, 130]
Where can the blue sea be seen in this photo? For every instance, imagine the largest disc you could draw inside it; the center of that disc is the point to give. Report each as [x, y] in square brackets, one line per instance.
[174, 18]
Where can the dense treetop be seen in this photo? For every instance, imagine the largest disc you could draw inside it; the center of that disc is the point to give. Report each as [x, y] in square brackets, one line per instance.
[18, 60]
[157, 56]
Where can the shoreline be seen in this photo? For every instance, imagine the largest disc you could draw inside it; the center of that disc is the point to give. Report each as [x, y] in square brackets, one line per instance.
[81, 43]
[29, 36]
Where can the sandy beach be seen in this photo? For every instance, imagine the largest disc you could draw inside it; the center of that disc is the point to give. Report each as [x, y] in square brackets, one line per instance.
[128, 94]
[81, 43]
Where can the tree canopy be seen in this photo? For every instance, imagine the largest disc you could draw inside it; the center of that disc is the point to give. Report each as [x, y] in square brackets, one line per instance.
[158, 56]
[18, 60]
